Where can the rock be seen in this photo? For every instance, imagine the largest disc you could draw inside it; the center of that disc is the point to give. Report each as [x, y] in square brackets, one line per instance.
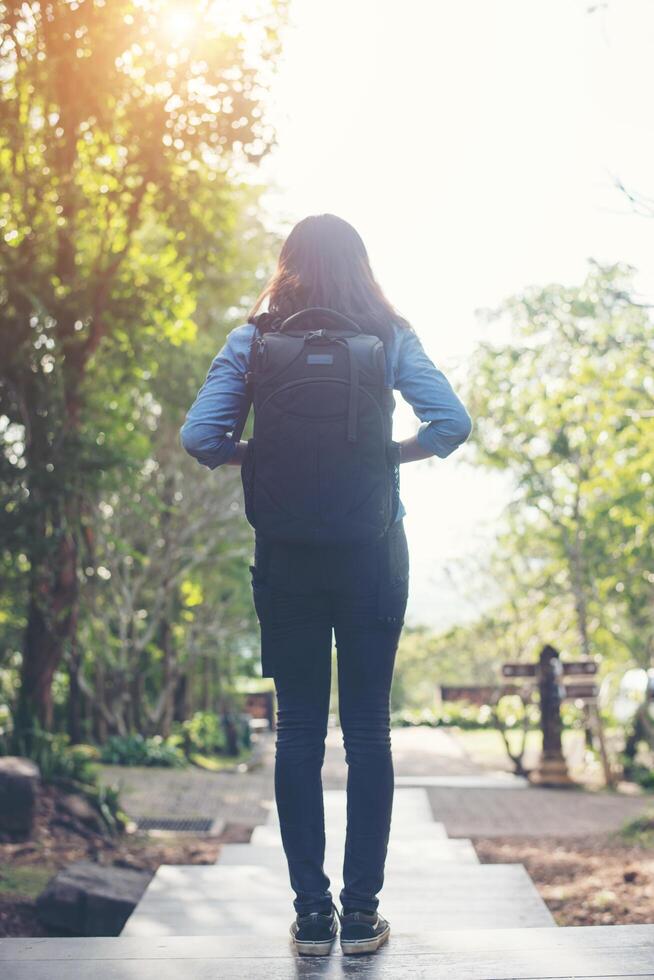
[80, 809]
[87, 899]
[19, 787]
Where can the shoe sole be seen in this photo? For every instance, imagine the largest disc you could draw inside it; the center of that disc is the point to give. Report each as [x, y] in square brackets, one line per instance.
[354, 947]
[316, 948]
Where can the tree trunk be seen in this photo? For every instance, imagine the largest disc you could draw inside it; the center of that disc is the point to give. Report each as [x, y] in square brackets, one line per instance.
[181, 699]
[136, 695]
[169, 679]
[51, 621]
[75, 696]
[99, 720]
[579, 578]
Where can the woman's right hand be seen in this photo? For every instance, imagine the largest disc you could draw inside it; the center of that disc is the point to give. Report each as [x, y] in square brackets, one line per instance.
[237, 458]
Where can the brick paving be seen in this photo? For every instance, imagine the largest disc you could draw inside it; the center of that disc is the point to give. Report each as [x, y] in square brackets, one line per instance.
[532, 812]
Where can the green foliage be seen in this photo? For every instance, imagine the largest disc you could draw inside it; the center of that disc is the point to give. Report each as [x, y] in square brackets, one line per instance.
[415, 716]
[566, 406]
[71, 768]
[204, 734]
[125, 150]
[58, 761]
[135, 750]
[457, 714]
[640, 830]
[25, 882]
[107, 800]
[642, 775]
[464, 654]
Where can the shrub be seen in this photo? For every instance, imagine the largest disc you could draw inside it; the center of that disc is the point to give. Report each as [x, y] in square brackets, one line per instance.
[637, 772]
[58, 761]
[457, 713]
[415, 716]
[463, 714]
[135, 750]
[204, 734]
[72, 768]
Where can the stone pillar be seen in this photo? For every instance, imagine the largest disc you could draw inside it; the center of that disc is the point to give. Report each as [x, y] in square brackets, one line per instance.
[552, 769]
[19, 786]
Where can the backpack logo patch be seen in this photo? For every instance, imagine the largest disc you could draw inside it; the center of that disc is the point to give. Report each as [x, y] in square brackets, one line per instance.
[320, 358]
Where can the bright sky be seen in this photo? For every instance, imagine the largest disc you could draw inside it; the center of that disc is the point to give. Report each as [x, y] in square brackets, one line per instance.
[474, 145]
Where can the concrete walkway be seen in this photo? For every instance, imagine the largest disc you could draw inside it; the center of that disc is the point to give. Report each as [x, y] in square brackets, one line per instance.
[191, 794]
[502, 954]
[467, 798]
[429, 880]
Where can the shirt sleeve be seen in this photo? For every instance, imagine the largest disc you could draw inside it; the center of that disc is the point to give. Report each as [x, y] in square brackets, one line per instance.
[445, 421]
[210, 421]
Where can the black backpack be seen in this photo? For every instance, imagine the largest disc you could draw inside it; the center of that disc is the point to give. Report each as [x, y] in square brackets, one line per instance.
[321, 466]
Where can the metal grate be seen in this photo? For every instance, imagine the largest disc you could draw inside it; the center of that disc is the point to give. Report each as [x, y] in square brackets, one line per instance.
[189, 825]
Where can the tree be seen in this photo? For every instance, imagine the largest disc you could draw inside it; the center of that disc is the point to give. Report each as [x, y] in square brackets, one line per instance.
[567, 406]
[115, 146]
[170, 593]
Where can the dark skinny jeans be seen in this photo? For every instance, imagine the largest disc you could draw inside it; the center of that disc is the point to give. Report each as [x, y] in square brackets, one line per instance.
[302, 594]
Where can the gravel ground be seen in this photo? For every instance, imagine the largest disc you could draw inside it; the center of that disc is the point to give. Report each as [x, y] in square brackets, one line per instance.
[585, 881]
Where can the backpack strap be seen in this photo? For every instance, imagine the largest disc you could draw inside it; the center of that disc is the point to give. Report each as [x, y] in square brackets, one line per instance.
[245, 410]
[312, 312]
[353, 399]
[248, 396]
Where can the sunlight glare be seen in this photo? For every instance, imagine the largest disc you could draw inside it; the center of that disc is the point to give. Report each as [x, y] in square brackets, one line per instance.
[179, 22]
[229, 16]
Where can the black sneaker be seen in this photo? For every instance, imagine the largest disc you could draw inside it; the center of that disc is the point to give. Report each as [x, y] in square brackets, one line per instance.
[314, 932]
[363, 932]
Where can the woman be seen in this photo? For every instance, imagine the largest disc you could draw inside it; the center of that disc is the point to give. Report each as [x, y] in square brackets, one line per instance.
[303, 592]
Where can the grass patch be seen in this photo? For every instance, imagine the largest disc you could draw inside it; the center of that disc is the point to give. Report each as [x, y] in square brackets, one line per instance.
[486, 745]
[639, 831]
[26, 882]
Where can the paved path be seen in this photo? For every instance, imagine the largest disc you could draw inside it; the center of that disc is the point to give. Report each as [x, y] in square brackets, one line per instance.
[417, 751]
[421, 755]
[497, 810]
[533, 812]
[226, 797]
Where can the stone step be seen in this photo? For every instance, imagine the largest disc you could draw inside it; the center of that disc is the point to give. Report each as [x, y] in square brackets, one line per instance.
[595, 952]
[410, 806]
[416, 856]
[235, 899]
[493, 780]
[268, 833]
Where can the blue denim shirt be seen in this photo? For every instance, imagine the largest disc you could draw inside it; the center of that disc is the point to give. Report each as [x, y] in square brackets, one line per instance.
[206, 433]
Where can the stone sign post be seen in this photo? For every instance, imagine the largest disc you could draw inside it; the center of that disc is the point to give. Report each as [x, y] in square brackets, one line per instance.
[552, 769]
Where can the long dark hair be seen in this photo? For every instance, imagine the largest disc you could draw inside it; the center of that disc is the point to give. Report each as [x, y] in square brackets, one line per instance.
[324, 262]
